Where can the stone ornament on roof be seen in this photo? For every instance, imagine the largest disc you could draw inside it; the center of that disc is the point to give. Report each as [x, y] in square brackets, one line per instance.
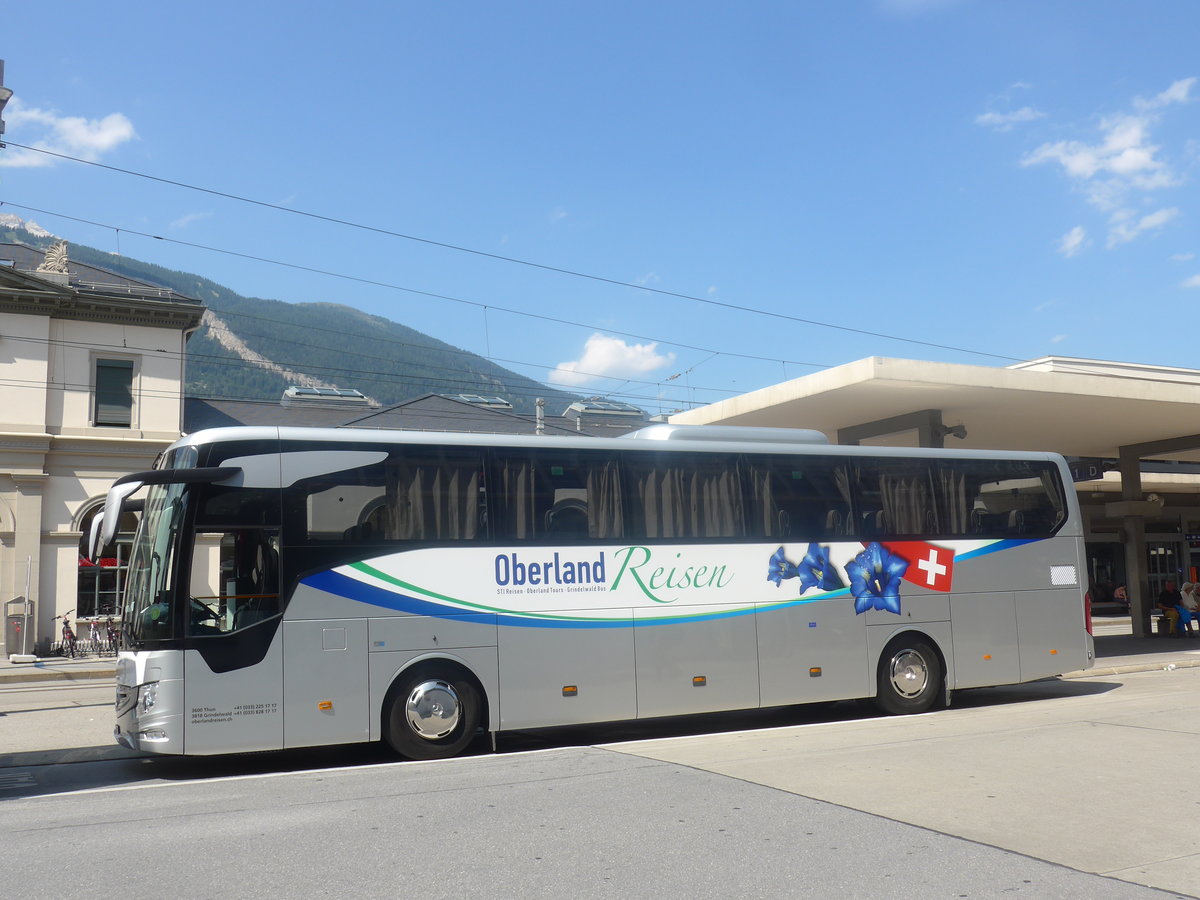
[56, 259]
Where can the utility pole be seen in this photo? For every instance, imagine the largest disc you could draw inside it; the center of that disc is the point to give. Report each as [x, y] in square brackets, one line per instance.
[5, 96]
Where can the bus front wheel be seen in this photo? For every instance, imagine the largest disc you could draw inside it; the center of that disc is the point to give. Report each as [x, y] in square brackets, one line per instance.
[909, 677]
[433, 714]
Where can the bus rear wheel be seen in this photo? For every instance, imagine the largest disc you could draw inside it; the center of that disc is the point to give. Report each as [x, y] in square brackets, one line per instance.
[433, 714]
[909, 677]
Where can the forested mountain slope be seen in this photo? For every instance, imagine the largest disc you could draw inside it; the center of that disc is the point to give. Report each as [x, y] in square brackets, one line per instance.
[252, 349]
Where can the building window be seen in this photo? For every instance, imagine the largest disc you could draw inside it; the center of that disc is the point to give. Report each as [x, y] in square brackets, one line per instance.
[114, 393]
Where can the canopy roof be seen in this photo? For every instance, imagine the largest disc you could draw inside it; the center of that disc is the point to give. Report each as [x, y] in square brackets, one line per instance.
[1076, 407]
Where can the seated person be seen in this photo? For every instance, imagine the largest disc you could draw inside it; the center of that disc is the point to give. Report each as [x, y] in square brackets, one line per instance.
[1170, 601]
[1190, 606]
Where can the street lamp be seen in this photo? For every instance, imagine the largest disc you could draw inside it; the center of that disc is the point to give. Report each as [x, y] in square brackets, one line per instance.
[5, 96]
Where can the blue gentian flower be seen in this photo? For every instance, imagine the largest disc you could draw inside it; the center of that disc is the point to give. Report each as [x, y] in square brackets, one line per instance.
[778, 568]
[817, 571]
[875, 579]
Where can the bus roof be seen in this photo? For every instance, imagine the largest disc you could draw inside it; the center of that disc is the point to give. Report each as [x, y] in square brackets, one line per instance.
[686, 438]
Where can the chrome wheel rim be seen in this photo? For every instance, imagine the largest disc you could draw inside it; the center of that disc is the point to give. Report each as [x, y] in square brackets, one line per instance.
[433, 709]
[910, 673]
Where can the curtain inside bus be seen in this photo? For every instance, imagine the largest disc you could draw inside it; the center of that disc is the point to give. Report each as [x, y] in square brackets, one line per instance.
[556, 496]
[432, 499]
[697, 497]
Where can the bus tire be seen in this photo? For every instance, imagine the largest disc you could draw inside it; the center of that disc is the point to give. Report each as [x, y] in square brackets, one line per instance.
[432, 713]
[909, 677]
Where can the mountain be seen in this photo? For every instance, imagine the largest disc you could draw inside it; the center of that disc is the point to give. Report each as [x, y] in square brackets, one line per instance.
[252, 349]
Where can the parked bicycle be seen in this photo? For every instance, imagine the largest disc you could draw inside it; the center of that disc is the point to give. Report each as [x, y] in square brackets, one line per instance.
[69, 645]
[95, 642]
[113, 634]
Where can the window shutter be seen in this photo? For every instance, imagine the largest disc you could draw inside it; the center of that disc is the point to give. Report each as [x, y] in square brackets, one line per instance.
[114, 392]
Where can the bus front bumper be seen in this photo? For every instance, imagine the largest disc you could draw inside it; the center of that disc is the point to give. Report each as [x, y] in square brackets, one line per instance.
[145, 720]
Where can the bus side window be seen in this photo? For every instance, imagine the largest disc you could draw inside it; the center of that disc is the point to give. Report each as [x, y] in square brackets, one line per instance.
[794, 498]
[559, 497]
[893, 498]
[372, 524]
[1000, 498]
[685, 496]
[568, 517]
[435, 495]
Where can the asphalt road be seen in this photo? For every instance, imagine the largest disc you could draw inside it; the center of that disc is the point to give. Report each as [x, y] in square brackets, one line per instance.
[1047, 790]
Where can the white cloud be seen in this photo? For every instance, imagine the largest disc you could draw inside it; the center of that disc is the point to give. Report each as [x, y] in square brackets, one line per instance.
[1193, 282]
[1176, 93]
[1182, 257]
[609, 357]
[1005, 121]
[69, 135]
[648, 278]
[186, 220]
[1125, 227]
[558, 215]
[1123, 160]
[1072, 242]
[1058, 338]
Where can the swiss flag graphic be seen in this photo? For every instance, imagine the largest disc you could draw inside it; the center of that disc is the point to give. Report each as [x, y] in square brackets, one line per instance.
[929, 566]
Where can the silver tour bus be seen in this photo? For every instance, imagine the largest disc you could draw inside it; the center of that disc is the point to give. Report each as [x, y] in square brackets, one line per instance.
[294, 587]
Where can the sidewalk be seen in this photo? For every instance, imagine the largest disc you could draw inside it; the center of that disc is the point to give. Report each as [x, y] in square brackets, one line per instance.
[1118, 652]
[55, 668]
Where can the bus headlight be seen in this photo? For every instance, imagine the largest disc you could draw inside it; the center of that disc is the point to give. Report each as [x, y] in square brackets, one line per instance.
[147, 696]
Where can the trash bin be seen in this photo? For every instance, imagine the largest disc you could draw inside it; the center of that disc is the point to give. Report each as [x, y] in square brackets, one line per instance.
[16, 619]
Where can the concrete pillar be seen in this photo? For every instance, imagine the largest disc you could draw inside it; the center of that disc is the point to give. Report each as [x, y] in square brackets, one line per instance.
[27, 544]
[1133, 536]
[926, 422]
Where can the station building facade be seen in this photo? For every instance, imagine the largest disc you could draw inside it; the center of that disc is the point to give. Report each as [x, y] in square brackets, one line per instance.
[91, 381]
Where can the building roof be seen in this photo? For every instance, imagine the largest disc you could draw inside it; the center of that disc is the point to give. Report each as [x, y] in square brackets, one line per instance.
[87, 292]
[431, 412]
[199, 414]
[84, 276]
[1077, 407]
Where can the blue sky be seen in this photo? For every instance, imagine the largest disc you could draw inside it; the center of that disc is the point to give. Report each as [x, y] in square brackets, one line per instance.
[1005, 180]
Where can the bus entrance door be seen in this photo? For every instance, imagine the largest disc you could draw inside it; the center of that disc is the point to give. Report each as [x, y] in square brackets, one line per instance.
[233, 665]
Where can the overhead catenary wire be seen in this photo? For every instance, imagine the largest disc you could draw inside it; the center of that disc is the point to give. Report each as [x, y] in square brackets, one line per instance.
[306, 367]
[616, 282]
[447, 383]
[415, 291]
[449, 417]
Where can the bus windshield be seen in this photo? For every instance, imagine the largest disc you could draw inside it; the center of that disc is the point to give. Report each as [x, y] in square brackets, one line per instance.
[146, 614]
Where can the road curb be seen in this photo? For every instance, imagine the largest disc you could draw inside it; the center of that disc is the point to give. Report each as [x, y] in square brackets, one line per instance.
[36, 675]
[1100, 671]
